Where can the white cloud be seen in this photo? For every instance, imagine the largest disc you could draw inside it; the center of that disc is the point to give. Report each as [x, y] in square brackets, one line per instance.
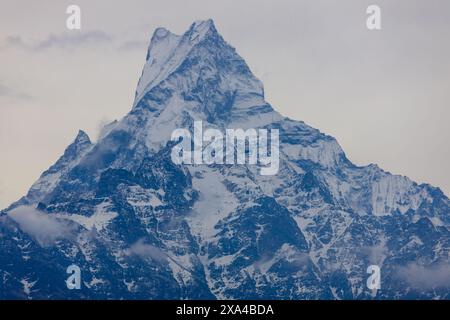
[376, 253]
[8, 92]
[43, 227]
[128, 45]
[419, 276]
[147, 251]
[73, 40]
[64, 40]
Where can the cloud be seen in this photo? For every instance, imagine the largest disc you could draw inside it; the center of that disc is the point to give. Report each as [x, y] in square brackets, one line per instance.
[65, 40]
[104, 127]
[419, 276]
[131, 45]
[376, 253]
[4, 90]
[301, 259]
[287, 253]
[43, 227]
[147, 251]
[14, 42]
[71, 40]
[11, 93]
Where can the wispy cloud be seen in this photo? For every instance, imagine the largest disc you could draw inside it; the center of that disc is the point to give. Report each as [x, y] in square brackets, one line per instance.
[43, 227]
[4, 90]
[14, 42]
[8, 92]
[73, 40]
[131, 45]
[65, 40]
[375, 253]
[425, 277]
[287, 253]
[147, 251]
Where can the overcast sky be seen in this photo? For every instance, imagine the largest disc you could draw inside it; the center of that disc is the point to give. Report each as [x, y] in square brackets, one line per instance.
[383, 94]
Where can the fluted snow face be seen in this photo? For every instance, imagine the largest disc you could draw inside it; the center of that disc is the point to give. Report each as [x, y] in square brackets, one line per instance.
[160, 60]
[199, 64]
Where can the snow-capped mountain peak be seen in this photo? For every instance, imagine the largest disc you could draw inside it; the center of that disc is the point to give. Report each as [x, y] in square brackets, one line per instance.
[82, 138]
[140, 226]
[167, 51]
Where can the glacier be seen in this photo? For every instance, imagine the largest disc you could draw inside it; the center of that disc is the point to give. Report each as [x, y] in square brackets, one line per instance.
[141, 227]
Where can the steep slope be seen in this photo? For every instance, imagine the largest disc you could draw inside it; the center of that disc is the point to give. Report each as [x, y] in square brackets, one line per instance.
[140, 226]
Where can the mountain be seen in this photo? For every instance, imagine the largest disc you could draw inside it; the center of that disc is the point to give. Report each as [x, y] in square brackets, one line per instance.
[140, 226]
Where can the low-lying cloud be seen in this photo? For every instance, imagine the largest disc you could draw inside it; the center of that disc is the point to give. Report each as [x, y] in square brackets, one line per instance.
[376, 253]
[8, 92]
[426, 277]
[44, 228]
[133, 45]
[287, 254]
[147, 251]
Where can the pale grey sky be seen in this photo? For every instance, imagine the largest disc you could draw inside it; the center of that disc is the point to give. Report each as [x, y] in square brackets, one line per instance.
[383, 94]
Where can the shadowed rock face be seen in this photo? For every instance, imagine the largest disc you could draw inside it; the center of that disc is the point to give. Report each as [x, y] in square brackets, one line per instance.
[141, 227]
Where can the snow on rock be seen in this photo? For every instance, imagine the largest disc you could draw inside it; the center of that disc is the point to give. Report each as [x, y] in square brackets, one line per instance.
[98, 220]
[215, 203]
